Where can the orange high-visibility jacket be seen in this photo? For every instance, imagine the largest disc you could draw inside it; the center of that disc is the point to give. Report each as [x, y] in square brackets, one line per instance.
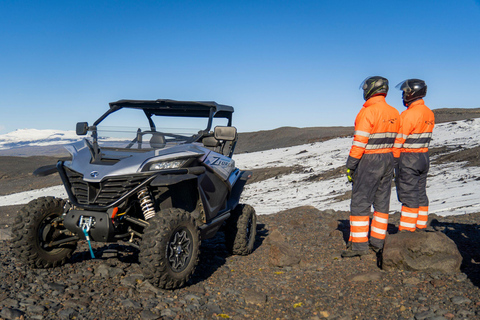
[416, 127]
[376, 128]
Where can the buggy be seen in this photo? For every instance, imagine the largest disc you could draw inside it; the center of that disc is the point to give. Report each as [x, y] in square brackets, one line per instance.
[160, 189]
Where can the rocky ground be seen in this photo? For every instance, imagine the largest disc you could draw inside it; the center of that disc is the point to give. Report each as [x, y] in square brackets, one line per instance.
[305, 279]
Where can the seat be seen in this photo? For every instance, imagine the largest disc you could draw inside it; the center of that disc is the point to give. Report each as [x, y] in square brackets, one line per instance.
[211, 143]
[157, 141]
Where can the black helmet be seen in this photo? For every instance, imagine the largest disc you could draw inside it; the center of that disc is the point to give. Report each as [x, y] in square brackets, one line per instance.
[413, 89]
[374, 85]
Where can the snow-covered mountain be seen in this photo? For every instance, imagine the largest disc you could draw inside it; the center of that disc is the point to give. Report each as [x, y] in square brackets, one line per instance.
[35, 138]
[452, 187]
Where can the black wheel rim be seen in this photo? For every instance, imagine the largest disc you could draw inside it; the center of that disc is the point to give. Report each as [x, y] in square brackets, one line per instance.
[50, 230]
[180, 249]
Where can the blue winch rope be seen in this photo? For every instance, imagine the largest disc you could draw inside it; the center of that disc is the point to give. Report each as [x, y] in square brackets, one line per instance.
[88, 241]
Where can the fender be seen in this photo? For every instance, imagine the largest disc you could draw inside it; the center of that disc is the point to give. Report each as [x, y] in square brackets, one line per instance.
[237, 189]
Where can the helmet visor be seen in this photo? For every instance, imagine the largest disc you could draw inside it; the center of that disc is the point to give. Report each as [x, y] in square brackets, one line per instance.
[364, 84]
[404, 86]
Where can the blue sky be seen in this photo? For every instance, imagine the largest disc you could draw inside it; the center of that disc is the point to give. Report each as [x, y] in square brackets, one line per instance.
[279, 63]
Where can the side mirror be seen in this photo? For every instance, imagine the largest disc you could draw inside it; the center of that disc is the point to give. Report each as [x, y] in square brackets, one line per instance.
[225, 133]
[82, 128]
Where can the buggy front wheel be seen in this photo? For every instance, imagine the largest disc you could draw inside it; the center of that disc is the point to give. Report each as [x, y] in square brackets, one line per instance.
[170, 248]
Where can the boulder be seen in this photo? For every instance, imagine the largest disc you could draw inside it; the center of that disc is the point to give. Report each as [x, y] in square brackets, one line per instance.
[421, 251]
[280, 253]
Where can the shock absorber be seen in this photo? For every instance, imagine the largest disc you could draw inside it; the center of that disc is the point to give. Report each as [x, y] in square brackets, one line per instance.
[146, 203]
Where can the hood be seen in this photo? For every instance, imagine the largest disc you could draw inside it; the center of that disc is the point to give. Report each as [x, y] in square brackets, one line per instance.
[117, 163]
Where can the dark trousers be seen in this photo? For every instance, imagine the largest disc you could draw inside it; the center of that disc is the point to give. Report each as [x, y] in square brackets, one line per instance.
[371, 186]
[411, 180]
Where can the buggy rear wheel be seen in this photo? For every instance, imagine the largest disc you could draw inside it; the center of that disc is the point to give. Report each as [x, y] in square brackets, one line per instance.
[241, 230]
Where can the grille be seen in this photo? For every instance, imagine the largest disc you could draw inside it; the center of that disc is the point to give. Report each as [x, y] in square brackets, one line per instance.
[101, 193]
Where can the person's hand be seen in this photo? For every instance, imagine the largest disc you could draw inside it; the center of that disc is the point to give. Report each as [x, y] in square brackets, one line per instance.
[350, 173]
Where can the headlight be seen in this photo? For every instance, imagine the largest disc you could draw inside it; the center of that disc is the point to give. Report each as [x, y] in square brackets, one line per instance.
[166, 165]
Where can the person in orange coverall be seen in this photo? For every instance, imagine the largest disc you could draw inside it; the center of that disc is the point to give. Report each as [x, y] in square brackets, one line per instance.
[411, 152]
[370, 167]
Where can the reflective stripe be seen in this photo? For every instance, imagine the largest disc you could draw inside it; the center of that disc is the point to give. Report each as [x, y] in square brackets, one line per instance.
[362, 133]
[417, 140]
[359, 144]
[398, 145]
[378, 146]
[420, 135]
[380, 220]
[423, 209]
[359, 234]
[409, 214]
[401, 136]
[416, 145]
[383, 135]
[380, 231]
[408, 225]
[421, 223]
[359, 223]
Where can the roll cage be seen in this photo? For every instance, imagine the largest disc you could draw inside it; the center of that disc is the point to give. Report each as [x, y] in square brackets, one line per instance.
[163, 107]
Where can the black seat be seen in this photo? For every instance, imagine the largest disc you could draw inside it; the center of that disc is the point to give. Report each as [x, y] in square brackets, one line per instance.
[211, 143]
[157, 141]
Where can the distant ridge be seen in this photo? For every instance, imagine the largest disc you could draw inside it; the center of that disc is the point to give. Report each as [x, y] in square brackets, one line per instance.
[455, 114]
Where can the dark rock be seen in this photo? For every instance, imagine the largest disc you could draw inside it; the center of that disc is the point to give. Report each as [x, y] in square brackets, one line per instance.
[9, 313]
[282, 255]
[148, 287]
[128, 303]
[275, 237]
[211, 308]
[368, 276]
[252, 296]
[67, 313]
[424, 315]
[421, 251]
[148, 315]
[35, 309]
[12, 303]
[102, 271]
[57, 287]
[411, 281]
[168, 313]
[132, 280]
[465, 313]
[461, 300]
[5, 234]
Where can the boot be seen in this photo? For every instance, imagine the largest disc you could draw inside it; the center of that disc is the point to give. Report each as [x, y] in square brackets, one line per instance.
[349, 253]
[376, 249]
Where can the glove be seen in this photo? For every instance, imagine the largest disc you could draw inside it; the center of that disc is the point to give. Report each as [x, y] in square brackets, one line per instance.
[350, 173]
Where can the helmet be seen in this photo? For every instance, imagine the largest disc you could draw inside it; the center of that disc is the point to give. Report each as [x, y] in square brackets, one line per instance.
[413, 89]
[374, 85]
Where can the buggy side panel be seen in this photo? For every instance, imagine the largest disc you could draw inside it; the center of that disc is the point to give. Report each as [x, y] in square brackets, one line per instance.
[214, 194]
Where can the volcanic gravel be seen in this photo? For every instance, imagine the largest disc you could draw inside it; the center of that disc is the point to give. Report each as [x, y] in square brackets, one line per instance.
[321, 286]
